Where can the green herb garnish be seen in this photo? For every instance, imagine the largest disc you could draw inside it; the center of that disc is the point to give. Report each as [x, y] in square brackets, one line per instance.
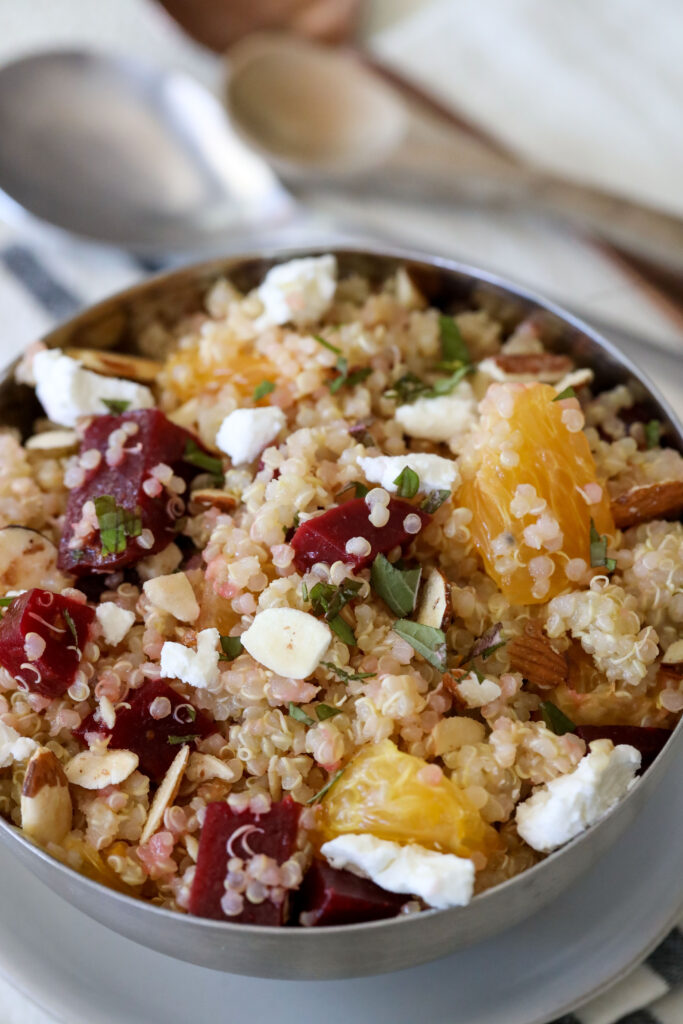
[598, 550]
[328, 601]
[434, 500]
[396, 587]
[555, 719]
[453, 347]
[326, 788]
[116, 524]
[263, 389]
[346, 379]
[231, 646]
[304, 592]
[325, 711]
[175, 741]
[347, 677]
[488, 651]
[5, 602]
[327, 344]
[444, 385]
[426, 640]
[359, 489]
[653, 431]
[567, 393]
[210, 463]
[407, 388]
[407, 483]
[72, 625]
[300, 716]
[115, 405]
[343, 630]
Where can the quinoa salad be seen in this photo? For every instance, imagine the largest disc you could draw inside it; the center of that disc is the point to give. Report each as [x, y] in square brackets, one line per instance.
[333, 606]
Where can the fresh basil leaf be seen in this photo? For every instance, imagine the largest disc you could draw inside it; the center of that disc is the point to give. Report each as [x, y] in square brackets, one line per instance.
[329, 600]
[327, 344]
[231, 646]
[347, 677]
[598, 551]
[343, 630]
[653, 431]
[453, 347]
[555, 719]
[396, 587]
[359, 489]
[426, 640]
[299, 715]
[176, 741]
[263, 389]
[325, 711]
[434, 501]
[196, 457]
[407, 483]
[115, 405]
[326, 788]
[116, 524]
[567, 393]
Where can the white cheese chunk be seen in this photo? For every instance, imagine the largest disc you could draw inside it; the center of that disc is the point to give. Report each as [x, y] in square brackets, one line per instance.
[197, 668]
[569, 804]
[14, 746]
[66, 390]
[173, 594]
[246, 432]
[288, 642]
[477, 693]
[298, 292]
[444, 418]
[440, 879]
[435, 472]
[115, 622]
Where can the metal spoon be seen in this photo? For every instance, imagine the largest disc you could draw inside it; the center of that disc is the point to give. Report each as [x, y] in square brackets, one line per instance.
[318, 114]
[117, 151]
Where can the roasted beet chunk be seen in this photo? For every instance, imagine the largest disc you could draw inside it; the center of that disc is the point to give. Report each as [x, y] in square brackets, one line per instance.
[328, 896]
[227, 834]
[42, 636]
[154, 740]
[648, 740]
[324, 538]
[131, 498]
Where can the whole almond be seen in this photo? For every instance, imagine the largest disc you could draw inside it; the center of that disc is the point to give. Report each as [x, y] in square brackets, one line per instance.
[653, 501]
[546, 366]
[46, 809]
[534, 656]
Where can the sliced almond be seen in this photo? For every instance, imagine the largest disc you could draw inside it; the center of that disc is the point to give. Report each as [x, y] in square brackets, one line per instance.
[95, 769]
[117, 364]
[166, 793]
[54, 443]
[288, 642]
[543, 366]
[28, 559]
[173, 594]
[203, 767]
[212, 497]
[434, 608]
[539, 663]
[576, 379]
[674, 653]
[653, 501]
[46, 809]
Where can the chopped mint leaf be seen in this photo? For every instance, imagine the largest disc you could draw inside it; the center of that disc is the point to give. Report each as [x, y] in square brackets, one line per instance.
[5, 602]
[598, 550]
[653, 431]
[176, 741]
[115, 405]
[567, 393]
[453, 347]
[327, 345]
[299, 715]
[263, 389]
[347, 677]
[210, 463]
[426, 640]
[407, 483]
[231, 647]
[116, 524]
[396, 587]
[555, 719]
[72, 625]
[359, 489]
[326, 788]
[325, 711]
[343, 630]
[434, 501]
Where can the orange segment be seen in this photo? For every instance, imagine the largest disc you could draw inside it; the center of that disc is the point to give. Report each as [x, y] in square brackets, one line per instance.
[381, 791]
[194, 370]
[532, 488]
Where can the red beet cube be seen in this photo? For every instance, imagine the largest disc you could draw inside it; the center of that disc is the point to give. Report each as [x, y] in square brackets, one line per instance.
[154, 740]
[648, 740]
[227, 833]
[134, 508]
[323, 539]
[328, 896]
[59, 625]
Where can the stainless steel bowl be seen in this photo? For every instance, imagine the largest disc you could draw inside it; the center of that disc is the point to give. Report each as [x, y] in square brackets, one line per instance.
[381, 946]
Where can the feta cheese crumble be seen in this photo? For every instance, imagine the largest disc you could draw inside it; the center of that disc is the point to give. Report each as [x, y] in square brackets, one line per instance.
[115, 622]
[246, 432]
[14, 746]
[197, 668]
[67, 391]
[298, 292]
[440, 879]
[569, 804]
[435, 472]
[444, 418]
[288, 642]
[477, 693]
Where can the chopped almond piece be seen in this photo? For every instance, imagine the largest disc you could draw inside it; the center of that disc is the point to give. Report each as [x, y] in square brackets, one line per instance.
[534, 656]
[212, 497]
[654, 501]
[117, 364]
